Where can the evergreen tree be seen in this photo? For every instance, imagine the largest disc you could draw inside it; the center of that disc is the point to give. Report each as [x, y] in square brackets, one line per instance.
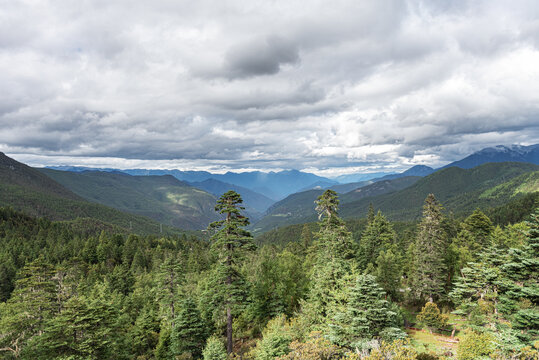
[214, 349]
[429, 271]
[389, 273]
[189, 334]
[366, 314]
[170, 277]
[333, 264]
[378, 236]
[230, 242]
[32, 304]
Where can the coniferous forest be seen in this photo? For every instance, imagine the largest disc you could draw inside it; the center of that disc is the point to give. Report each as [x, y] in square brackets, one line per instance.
[440, 288]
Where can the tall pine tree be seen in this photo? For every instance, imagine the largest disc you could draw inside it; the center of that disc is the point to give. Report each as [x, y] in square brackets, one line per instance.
[230, 242]
[429, 271]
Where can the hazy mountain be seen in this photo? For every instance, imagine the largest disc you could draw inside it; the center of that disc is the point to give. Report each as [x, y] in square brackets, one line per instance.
[300, 207]
[251, 199]
[459, 190]
[418, 170]
[273, 185]
[500, 153]
[344, 188]
[359, 177]
[32, 192]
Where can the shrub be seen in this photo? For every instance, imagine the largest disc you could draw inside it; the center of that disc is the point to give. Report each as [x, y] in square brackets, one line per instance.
[431, 317]
[475, 345]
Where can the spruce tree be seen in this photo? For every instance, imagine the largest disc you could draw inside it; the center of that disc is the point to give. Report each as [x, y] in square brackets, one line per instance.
[379, 235]
[429, 271]
[189, 332]
[230, 243]
[333, 264]
[366, 315]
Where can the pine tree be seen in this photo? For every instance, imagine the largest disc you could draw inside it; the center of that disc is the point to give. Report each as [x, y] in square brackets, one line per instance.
[170, 277]
[389, 273]
[333, 264]
[429, 271]
[32, 304]
[379, 235]
[189, 332]
[366, 314]
[214, 349]
[230, 242]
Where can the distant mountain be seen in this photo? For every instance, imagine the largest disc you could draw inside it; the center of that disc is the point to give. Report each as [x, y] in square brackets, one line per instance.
[294, 209]
[359, 177]
[418, 170]
[379, 188]
[32, 192]
[162, 198]
[252, 200]
[319, 185]
[344, 188]
[273, 185]
[500, 153]
[300, 207]
[459, 190]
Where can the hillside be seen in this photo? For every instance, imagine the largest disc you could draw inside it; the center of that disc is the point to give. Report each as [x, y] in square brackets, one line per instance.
[459, 190]
[28, 190]
[299, 208]
[256, 204]
[500, 153]
[162, 198]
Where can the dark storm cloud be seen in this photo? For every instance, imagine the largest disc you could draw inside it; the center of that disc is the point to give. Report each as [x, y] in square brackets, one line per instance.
[260, 57]
[326, 86]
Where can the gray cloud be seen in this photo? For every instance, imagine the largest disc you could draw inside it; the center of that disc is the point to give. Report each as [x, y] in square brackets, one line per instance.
[260, 57]
[356, 85]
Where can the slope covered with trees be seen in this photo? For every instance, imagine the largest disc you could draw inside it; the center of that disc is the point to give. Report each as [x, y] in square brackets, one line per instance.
[28, 190]
[162, 198]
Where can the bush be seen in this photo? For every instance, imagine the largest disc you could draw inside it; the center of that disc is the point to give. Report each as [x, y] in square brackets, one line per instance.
[431, 317]
[475, 345]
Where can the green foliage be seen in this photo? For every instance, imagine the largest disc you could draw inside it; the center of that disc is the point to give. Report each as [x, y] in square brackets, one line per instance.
[475, 345]
[315, 348]
[378, 236]
[365, 315]
[275, 341]
[396, 350]
[214, 349]
[189, 333]
[431, 317]
[429, 269]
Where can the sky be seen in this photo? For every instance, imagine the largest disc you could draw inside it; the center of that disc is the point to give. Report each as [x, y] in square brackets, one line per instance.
[330, 87]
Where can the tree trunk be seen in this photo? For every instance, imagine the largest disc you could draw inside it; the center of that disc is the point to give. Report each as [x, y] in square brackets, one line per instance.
[228, 330]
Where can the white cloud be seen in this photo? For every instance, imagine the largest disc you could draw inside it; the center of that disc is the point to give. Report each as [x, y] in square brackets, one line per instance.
[267, 85]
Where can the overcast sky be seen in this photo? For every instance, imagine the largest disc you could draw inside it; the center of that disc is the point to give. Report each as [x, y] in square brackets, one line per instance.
[325, 86]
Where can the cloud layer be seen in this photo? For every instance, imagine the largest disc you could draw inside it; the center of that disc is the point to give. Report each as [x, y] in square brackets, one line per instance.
[331, 87]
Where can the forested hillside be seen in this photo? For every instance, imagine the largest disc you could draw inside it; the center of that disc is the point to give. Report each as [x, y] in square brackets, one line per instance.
[461, 191]
[32, 192]
[162, 198]
[357, 290]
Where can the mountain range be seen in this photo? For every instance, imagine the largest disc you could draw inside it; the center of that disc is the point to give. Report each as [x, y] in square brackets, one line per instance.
[186, 199]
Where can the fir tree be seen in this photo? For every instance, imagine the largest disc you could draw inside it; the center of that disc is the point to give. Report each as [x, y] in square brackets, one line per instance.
[379, 235]
[230, 242]
[429, 271]
[366, 314]
[214, 349]
[333, 264]
[189, 332]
